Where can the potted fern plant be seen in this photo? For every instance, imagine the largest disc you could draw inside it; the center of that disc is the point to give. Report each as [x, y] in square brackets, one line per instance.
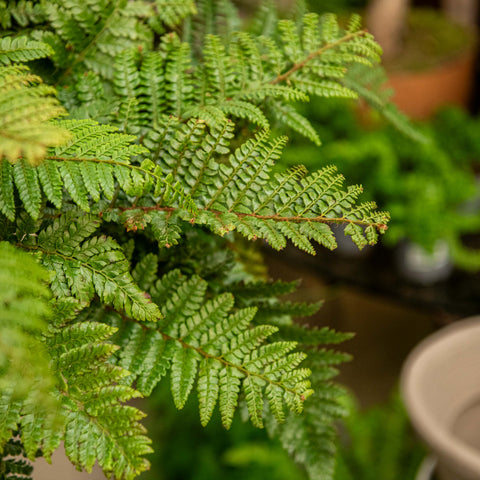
[134, 149]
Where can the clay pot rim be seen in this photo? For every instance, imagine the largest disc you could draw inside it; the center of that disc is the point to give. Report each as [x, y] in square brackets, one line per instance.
[446, 446]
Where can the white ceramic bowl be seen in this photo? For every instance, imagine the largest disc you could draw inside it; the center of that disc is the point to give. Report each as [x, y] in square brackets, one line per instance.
[440, 385]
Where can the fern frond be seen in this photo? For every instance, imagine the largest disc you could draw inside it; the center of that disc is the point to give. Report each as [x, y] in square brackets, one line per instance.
[95, 32]
[21, 12]
[310, 439]
[179, 84]
[238, 76]
[205, 342]
[171, 13]
[93, 400]
[370, 84]
[21, 49]
[241, 194]
[27, 105]
[93, 419]
[86, 265]
[13, 465]
[93, 163]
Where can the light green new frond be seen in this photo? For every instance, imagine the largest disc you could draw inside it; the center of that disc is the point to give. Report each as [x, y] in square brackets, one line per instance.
[205, 342]
[24, 313]
[26, 106]
[22, 49]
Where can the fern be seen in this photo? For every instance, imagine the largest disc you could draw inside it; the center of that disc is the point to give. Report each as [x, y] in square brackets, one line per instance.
[94, 33]
[171, 13]
[241, 75]
[21, 12]
[241, 194]
[118, 264]
[21, 49]
[92, 163]
[85, 265]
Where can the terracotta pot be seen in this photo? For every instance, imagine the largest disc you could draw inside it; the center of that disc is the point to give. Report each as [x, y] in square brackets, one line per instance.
[440, 385]
[420, 93]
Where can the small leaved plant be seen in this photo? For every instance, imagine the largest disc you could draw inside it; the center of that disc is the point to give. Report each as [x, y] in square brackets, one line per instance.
[134, 152]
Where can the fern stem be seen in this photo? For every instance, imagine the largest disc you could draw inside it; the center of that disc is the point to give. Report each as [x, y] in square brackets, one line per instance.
[298, 66]
[382, 227]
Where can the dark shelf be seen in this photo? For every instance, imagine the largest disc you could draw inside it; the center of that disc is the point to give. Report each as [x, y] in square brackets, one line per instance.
[376, 273]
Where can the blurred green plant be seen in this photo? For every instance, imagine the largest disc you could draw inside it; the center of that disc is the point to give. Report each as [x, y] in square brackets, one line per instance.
[379, 444]
[376, 444]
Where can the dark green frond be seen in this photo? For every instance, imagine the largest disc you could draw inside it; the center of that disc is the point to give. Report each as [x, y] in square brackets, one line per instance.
[205, 342]
[85, 266]
[13, 465]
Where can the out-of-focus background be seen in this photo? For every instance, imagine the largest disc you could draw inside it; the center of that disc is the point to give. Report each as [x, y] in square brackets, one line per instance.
[423, 275]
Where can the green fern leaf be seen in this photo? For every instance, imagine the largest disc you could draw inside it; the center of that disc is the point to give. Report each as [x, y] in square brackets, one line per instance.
[97, 33]
[87, 265]
[184, 372]
[21, 49]
[173, 12]
[203, 342]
